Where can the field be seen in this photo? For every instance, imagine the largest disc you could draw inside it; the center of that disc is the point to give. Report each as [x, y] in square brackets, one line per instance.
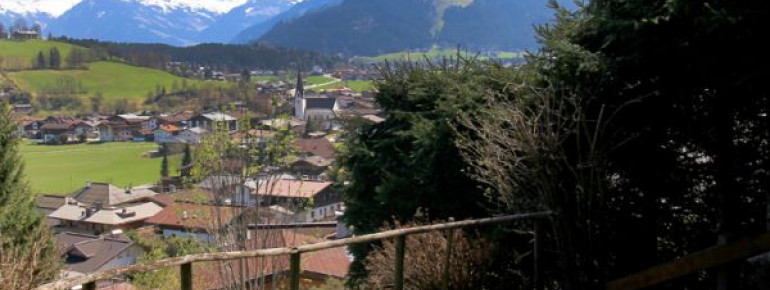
[311, 80]
[114, 80]
[20, 54]
[356, 86]
[63, 169]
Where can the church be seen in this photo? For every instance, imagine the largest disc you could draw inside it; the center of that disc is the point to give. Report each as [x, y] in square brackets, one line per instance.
[320, 110]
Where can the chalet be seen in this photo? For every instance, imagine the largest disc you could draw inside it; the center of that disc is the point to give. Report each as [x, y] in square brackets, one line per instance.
[179, 120]
[22, 109]
[109, 195]
[213, 121]
[120, 127]
[84, 254]
[58, 132]
[25, 35]
[47, 204]
[77, 216]
[30, 127]
[200, 221]
[296, 194]
[310, 168]
[166, 133]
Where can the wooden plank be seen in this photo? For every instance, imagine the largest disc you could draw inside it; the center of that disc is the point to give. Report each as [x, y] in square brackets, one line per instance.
[399, 271]
[702, 260]
[225, 256]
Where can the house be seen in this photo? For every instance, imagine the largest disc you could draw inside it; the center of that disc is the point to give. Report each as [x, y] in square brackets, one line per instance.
[212, 121]
[180, 120]
[58, 132]
[166, 133]
[310, 168]
[315, 147]
[84, 254]
[47, 204]
[297, 195]
[121, 127]
[109, 195]
[25, 35]
[200, 221]
[29, 127]
[22, 109]
[75, 216]
[192, 135]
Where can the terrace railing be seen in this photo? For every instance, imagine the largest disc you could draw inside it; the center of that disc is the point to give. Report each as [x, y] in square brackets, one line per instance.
[88, 281]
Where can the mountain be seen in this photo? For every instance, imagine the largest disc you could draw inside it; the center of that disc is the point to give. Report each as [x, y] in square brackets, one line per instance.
[176, 22]
[33, 11]
[375, 27]
[296, 11]
[239, 18]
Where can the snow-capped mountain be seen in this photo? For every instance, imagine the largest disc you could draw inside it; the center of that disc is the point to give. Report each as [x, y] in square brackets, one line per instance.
[239, 18]
[176, 22]
[33, 11]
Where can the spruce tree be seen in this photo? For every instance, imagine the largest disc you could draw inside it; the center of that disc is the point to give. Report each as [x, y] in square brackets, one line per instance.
[187, 159]
[164, 163]
[55, 58]
[40, 62]
[23, 231]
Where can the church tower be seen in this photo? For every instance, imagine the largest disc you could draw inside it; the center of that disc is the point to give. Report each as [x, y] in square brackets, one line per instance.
[299, 97]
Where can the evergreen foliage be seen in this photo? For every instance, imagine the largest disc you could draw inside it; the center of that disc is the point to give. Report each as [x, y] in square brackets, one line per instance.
[24, 234]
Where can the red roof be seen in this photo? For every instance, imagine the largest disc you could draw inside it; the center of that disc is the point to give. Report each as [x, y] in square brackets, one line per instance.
[291, 188]
[316, 146]
[194, 216]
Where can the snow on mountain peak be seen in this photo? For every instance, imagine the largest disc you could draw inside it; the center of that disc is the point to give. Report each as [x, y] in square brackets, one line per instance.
[216, 6]
[54, 8]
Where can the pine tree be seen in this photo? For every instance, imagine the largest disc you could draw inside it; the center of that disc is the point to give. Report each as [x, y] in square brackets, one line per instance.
[55, 58]
[187, 159]
[23, 232]
[164, 163]
[40, 62]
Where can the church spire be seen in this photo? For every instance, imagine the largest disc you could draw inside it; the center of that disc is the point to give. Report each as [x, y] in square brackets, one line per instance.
[300, 91]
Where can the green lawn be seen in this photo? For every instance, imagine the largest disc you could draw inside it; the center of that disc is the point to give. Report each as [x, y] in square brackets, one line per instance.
[317, 80]
[20, 54]
[311, 80]
[114, 80]
[63, 169]
[356, 86]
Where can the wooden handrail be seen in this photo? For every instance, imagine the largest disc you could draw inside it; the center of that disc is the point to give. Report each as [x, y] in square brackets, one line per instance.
[698, 261]
[224, 256]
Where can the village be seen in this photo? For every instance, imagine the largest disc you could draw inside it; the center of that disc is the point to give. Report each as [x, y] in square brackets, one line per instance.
[279, 206]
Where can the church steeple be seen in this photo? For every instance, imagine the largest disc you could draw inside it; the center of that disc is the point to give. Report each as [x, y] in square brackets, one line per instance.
[299, 97]
[300, 91]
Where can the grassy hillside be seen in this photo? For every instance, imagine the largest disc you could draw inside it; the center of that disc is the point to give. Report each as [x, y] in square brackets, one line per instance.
[356, 86]
[63, 169]
[17, 55]
[113, 80]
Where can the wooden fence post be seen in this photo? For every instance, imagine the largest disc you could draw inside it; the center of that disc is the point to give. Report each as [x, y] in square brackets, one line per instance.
[186, 276]
[400, 250]
[538, 254]
[448, 258]
[295, 269]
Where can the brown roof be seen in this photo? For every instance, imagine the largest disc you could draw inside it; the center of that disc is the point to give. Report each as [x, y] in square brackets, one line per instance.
[316, 146]
[109, 194]
[291, 188]
[50, 201]
[317, 161]
[198, 216]
[86, 254]
[57, 126]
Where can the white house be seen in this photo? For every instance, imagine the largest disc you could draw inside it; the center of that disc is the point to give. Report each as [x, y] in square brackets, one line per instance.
[192, 135]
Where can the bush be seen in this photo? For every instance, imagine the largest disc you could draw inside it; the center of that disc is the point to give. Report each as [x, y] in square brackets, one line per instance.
[424, 261]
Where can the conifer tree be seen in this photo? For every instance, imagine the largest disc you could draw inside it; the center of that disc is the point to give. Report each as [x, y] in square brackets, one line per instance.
[55, 58]
[24, 235]
[187, 159]
[164, 163]
[40, 62]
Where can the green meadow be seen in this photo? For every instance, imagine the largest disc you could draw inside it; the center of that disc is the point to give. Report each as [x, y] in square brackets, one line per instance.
[114, 80]
[21, 54]
[356, 86]
[63, 169]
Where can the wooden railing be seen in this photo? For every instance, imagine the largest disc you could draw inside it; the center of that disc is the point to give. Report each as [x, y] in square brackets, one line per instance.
[88, 281]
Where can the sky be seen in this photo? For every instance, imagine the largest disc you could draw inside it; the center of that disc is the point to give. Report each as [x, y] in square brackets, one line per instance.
[58, 7]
